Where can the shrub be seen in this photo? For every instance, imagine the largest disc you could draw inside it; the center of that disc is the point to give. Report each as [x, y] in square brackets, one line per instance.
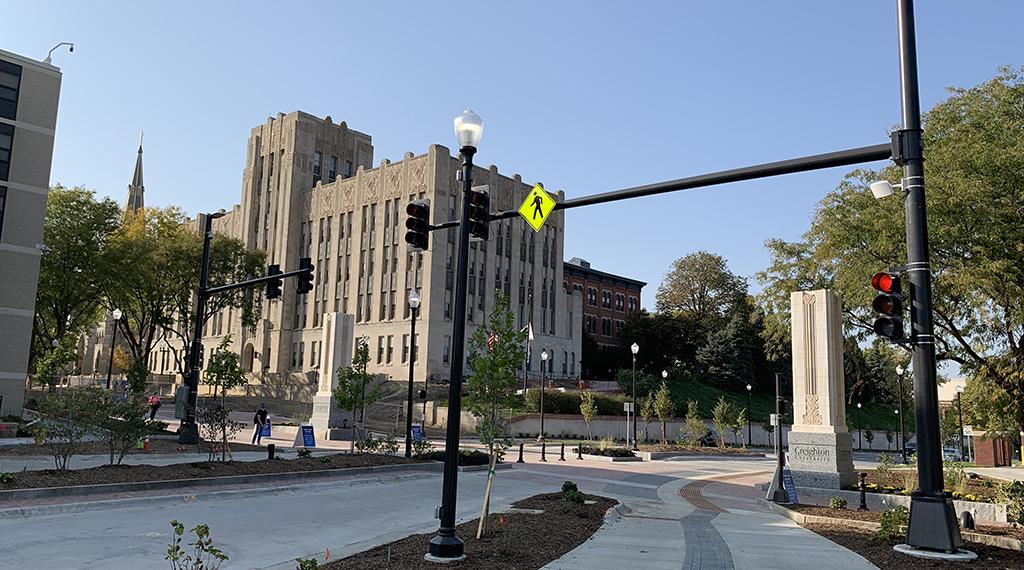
[607, 451]
[387, 444]
[955, 478]
[573, 497]
[307, 564]
[893, 521]
[120, 424]
[303, 452]
[1012, 494]
[204, 555]
[216, 428]
[466, 457]
[837, 503]
[885, 464]
[569, 486]
[6, 478]
[70, 419]
[422, 448]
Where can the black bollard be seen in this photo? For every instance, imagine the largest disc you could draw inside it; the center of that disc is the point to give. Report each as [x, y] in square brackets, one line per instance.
[543, 451]
[520, 460]
[863, 492]
[579, 451]
[270, 451]
[562, 456]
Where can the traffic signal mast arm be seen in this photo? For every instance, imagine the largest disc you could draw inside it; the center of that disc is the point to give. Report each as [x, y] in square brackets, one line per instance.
[803, 164]
[257, 281]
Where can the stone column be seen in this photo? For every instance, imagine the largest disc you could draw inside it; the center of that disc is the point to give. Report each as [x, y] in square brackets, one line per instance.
[330, 421]
[820, 445]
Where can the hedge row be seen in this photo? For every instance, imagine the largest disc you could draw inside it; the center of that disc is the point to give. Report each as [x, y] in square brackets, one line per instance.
[568, 402]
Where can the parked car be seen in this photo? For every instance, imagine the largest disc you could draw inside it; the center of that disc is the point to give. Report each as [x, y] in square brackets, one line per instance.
[911, 448]
[950, 454]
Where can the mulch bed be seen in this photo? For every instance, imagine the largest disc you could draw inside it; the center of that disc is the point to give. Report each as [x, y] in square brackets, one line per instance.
[701, 450]
[894, 480]
[847, 513]
[195, 470]
[881, 554]
[516, 541]
[97, 448]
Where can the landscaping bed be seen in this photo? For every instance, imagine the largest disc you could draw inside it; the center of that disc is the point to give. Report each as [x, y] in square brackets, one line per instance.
[517, 541]
[896, 481]
[96, 448]
[880, 553]
[467, 457]
[201, 469]
[607, 451]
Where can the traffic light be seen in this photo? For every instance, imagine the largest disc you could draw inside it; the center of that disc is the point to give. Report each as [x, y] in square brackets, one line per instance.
[479, 214]
[888, 304]
[274, 285]
[418, 224]
[305, 283]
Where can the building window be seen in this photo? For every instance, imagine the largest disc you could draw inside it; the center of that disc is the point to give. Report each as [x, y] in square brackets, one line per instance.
[446, 353]
[606, 327]
[405, 348]
[633, 304]
[347, 172]
[565, 362]
[620, 301]
[10, 84]
[318, 159]
[332, 169]
[391, 348]
[572, 364]
[380, 349]
[606, 299]
[591, 296]
[6, 143]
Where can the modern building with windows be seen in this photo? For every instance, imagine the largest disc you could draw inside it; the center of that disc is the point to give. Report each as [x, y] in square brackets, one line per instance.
[309, 189]
[608, 299]
[29, 94]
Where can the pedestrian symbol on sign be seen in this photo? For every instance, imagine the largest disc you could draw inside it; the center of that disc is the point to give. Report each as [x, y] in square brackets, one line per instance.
[537, 206]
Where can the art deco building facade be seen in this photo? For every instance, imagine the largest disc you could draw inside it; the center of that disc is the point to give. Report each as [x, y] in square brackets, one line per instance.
[309, 190]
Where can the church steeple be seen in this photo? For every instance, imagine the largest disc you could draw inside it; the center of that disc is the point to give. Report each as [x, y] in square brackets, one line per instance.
[136, 189]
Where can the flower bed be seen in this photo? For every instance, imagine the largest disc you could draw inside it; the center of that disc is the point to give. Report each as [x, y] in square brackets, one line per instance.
[902, 481]
[607, 451]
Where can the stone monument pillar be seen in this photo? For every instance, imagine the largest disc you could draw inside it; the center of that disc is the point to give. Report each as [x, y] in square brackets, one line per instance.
[820, 445]
[330, 421]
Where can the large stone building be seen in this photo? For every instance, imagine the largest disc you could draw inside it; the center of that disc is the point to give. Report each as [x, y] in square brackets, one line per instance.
[29, 93]
[309, 189]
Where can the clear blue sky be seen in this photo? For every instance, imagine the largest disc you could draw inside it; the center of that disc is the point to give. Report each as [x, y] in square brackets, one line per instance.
[583, 96]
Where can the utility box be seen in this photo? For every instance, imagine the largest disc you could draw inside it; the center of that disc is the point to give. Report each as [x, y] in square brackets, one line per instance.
[180, 402]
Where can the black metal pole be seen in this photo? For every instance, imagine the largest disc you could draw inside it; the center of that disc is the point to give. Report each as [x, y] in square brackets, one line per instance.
[960, 415]
[541, 435]
[526, 367]
[903, 432]
[110, 357]
[189, 431]
[412, 362]
[780, 462]
[932, 524]
[446, 545]
[633, 405]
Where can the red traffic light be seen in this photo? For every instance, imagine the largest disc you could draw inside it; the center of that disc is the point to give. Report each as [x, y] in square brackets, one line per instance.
[886, 282]
[418, 210]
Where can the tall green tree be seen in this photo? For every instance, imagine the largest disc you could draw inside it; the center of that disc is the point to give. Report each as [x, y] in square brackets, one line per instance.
[224, 373]
[76, 232]
[588, 409]
[495, 353]
[664, 407]
[974, 168]
[700, 285]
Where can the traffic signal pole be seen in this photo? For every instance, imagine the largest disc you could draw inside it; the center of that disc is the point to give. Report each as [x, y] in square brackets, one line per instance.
[933, 524]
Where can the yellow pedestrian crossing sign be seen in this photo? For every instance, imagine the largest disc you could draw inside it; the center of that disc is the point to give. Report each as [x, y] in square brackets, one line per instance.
[537, 206]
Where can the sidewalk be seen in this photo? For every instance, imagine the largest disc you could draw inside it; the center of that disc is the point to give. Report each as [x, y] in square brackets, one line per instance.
[714, 523]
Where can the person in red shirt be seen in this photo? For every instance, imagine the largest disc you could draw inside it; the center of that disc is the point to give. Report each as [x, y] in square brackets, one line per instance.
[154, 405]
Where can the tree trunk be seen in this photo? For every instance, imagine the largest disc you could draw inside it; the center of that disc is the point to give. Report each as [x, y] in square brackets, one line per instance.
[664, 433]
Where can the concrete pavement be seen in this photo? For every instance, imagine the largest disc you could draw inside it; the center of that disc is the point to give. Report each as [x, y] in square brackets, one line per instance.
[673, 514]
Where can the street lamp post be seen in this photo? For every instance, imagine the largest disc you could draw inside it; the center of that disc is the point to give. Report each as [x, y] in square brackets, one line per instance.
[446, 546]
[903, 433]
[900, 420]
[189, 431]
[960, 417]
[860, 429]
[635, 348]
[414, 305]
[543, 381]
[113, 342]
[749, 440]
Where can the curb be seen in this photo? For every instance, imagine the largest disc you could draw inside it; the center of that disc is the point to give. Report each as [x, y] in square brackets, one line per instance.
[607, 459]
[1004, 542]
[663, 455]
[111, 488]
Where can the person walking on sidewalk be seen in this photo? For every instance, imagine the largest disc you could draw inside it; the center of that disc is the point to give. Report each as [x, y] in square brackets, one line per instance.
[260, 420]
[154, 405]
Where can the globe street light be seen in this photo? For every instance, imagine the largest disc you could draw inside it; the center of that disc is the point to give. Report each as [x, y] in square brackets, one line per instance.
[446, 546]
[903, 434]
[113, 342]
[635, 348]
[414, 305]
[860, 430]
[543, 368]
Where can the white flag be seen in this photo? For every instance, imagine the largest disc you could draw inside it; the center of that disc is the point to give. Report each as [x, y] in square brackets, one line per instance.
[531, 331]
